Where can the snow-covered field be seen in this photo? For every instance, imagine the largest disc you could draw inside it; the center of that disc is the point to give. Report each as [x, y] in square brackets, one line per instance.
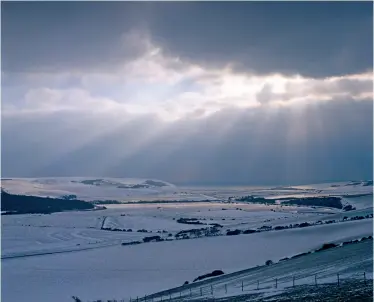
[133, 189]
[52, 257]
[95, 188]
[350, 262]
[36, 233]
[124, 271]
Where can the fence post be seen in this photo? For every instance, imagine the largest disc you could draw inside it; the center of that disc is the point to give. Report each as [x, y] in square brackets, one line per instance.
[170, 296]
[242, 285]
[365, 278]
[315, 279]
[190, 292]
[145, 298]
[338, 279]
[201, 292]
[276, 282]
[258, 284]
[180, 294]
[293, 281]
[211, 289]
[226, 288]
[137, 299]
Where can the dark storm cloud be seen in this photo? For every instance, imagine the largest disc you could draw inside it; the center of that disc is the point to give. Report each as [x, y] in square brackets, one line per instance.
[55, 36]
[314, 39]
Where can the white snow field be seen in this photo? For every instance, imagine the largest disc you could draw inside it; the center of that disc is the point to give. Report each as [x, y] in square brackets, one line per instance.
[125, 271]
[134, 189]
[354, 261]
[37, 234]
[53, 257]
[99, 188]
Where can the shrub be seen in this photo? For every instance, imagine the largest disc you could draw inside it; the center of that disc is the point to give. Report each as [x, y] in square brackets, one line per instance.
[152, 238]
[268, 262]
[327, 246]
[299, 255]
[231, 233]
[189, 221]
[249, 231]
[131, 243]
[212, 274]
[330, 221]
[349, 208]
[265, 228]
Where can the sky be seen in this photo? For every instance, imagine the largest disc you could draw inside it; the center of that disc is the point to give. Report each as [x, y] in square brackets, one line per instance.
[219, 93]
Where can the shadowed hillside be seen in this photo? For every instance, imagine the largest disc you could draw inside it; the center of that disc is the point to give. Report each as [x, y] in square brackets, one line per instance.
[21, 204]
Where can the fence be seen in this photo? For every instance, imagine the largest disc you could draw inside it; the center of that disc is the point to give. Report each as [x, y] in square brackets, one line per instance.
[237, 286]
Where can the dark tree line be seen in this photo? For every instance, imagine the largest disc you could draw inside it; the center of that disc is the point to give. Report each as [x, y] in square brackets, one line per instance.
[21, 204]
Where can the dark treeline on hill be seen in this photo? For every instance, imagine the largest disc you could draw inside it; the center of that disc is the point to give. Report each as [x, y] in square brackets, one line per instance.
[332, 202]
[323, 201]
[252, 199]
[21, 204]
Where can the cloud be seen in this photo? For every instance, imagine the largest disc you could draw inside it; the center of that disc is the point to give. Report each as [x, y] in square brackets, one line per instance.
[260, 38]
[282, 100]
[156, 83]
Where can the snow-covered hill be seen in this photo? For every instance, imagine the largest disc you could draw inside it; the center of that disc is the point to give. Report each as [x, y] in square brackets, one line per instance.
[88, 188]
[137, 189]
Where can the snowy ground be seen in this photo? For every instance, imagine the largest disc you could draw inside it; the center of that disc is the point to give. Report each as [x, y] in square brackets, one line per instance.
[350, 262]
[52, 257]
[124, 271]
[36, 233]
[96, 188]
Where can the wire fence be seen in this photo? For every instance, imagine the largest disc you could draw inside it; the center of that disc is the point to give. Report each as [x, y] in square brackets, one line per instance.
[224, 288]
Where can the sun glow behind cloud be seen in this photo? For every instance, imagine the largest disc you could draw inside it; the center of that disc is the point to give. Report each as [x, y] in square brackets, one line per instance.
[156, 83]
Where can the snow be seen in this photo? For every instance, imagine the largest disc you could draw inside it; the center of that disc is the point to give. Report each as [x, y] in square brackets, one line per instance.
[35, 233]
[361, 202]
[350, 262]
[107, 189]
[52, 257]
[121, 272]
